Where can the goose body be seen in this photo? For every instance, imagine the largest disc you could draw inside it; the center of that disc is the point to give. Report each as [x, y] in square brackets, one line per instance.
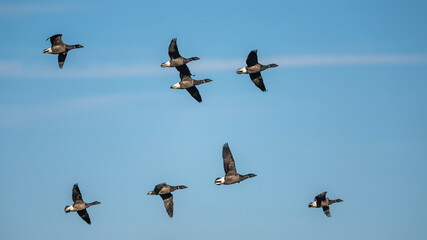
[176, 59]
[254, 69]
[164, 190]
[79, 205]
[321, 201]
[231, 175]
[189, 83]
[60, 48]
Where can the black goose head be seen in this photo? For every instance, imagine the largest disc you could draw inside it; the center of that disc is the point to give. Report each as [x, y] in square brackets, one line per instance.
[219, 181]
[67, 209]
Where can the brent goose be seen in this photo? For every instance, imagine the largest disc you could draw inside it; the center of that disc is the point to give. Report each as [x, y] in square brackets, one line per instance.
[188, 83]
[79, 205]
[176, 59]
[254, 69]
[164, 190]
[231, 175]
[323, 202]
[60, 48]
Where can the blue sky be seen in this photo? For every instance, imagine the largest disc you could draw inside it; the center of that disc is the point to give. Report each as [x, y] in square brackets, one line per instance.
[345, 112]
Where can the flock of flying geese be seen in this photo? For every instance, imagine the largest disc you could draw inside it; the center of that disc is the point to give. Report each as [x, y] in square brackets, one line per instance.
[253, 68]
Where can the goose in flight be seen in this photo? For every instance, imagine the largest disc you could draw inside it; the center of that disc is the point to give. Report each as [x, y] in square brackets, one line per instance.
[60, 48]
[321, 201]
[231, 175]
[164, 190]
[175, 58]
[189, 83]
[254, 69]
[79, 205]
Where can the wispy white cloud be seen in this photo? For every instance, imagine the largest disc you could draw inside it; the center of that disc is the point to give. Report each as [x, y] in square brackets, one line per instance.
[331, 60]
[18, 70]
[25, 114]
[20, 9]
[317, 61]
[15, 69]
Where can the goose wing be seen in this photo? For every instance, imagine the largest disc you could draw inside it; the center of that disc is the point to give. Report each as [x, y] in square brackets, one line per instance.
[320, 197]
[77, 196]
[84, 215]
[183, 71]
[173, 50]
[229, 165]
[61, 59]
[56, 40]
[194, 92]
[168, 202]
[326, 211]
[257, 80]
[252, 58]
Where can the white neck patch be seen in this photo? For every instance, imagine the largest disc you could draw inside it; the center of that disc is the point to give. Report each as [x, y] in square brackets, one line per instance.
[176, 85]
[220, 181]
[71, 208]
[242, 70]
[166, 64]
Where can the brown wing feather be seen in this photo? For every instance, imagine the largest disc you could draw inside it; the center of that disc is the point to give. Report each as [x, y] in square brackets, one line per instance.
[173, 50]
[194, 92]
[84, 215]
[252, 58]
[257, 80]
[61, 59]
[56, 40]
[183, 71]
[229, 164]
[77, 196]
[326, 211]
[320, 197]
[168, 202]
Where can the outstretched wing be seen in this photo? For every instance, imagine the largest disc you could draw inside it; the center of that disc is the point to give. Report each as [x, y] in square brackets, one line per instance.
[168, 201]
[252, 58]
[56, 40]
[173, 50]
[229, 165]
[194, 92]
[326, 211]
[84, 215]
[77, 196]
[257, 79]
[320, 197]
[183, 71]
[61, 59]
